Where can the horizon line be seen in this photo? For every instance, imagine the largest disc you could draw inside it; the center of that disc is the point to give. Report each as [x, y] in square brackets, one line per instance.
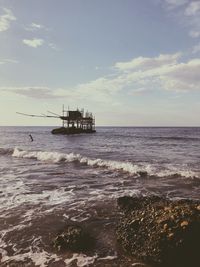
[114, 126]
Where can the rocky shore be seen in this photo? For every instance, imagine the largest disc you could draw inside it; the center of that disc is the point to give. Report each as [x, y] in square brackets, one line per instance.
[160, 231]
[155, 230]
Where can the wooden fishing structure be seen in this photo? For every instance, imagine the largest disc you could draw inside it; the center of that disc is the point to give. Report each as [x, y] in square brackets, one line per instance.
[73, 121]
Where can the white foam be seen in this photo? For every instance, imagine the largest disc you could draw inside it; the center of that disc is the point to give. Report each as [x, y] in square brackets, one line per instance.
[171, 170]
[28, 215]
[81, 217]
[137, 263]
[81, 260]
[108, 258]
[39, 258]
[129, 167]
[84, 260]
[43, 155]
[13, 189]
[18, 194]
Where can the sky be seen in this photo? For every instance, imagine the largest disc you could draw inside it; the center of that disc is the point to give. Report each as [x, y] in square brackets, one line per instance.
[130, 62]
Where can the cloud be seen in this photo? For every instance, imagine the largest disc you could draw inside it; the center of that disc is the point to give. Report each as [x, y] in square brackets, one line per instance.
[164, 72]
[194, 34]
[183, 76]
[35, 27]
[6, 19]
[192, 14]
[5, 61]
[148, 63]
[176, 3]
[139, 91]
[53, 46]
[193, 8]
[137, 76]
[33, 42]
[187, 13]
[32, 92]
[196, 49]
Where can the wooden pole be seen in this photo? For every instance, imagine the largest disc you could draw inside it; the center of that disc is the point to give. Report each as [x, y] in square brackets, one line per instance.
[63, 112]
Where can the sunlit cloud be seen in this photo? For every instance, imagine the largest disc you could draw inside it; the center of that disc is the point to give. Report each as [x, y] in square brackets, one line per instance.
[137, 76]
[148, 63]
[33, 42]
[6, 19]
[165, 72]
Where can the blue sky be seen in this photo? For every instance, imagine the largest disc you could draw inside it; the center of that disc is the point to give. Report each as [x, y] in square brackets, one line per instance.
[131, 62]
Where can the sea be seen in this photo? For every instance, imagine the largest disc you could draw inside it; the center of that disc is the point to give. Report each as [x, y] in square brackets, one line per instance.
[59, 180]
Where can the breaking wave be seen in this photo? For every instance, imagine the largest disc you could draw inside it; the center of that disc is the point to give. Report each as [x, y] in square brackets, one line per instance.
[128, 167]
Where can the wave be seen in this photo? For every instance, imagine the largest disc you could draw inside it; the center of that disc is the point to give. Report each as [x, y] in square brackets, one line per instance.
[139, 170]
[39, 258]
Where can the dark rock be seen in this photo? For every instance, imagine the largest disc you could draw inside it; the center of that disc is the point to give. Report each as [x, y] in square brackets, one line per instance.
[73, 238]
[159, 230]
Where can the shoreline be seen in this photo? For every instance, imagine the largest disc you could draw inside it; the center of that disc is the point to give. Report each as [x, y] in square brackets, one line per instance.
[108, 226]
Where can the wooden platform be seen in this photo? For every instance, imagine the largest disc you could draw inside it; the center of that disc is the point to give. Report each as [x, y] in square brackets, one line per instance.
[71, 130]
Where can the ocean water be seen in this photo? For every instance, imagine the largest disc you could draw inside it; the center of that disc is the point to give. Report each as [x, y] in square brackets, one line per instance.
[56, 180]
